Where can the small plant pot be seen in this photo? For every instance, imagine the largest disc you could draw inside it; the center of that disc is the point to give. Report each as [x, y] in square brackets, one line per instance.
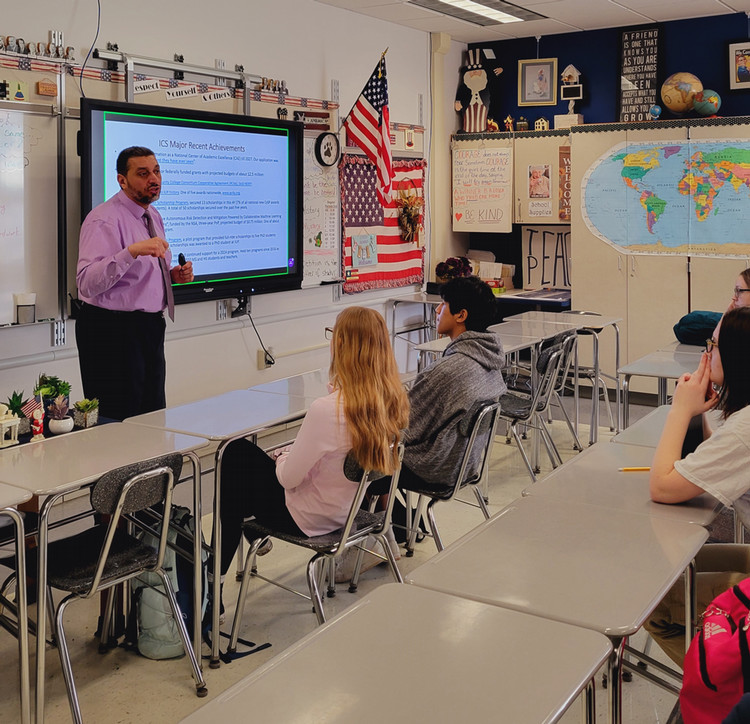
[85, 419]
[58, 427]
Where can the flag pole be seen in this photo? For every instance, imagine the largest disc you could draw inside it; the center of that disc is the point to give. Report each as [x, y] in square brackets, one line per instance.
[380, 75]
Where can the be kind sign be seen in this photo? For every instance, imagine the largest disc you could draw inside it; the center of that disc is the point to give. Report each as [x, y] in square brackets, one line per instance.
[482, 186]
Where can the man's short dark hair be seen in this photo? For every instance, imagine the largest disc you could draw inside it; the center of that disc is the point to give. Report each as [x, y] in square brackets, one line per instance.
[473, 295]
[131, 152]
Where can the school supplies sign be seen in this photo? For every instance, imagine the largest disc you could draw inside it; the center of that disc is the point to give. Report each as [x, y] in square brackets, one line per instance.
[482, 186]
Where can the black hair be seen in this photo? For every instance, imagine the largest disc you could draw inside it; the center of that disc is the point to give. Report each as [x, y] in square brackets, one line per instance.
[131, 152]
[473, 295]
[734, 352]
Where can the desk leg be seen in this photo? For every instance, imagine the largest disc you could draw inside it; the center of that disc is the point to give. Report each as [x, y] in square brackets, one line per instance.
[691, 603]
[23, 614]
[625, 401]
[197, 556]
[594, 432]
[215, 661]
[617, 377]
[614, 681]
[662, 391]
[589, 703]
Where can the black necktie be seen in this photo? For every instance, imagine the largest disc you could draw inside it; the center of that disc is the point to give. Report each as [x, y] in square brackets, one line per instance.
[166, 276]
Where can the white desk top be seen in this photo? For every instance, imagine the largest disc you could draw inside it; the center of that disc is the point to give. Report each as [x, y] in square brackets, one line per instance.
[404, 653]
[588, 321]
[581, 564]
[511, 343]
[309, 385]
[684, 348]
[66, 462]
[592, 478]
[417, 297]
[233, 414]
[534, 327]
[667, 364]
[10, 496]
[646, 431]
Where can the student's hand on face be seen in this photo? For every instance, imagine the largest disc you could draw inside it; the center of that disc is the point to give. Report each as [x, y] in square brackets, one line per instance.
[694, 393]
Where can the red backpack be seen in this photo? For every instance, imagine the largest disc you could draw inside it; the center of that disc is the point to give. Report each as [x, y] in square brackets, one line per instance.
[717, 664]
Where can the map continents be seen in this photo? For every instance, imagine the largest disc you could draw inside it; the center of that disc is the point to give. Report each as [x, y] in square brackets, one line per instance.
[681, 197]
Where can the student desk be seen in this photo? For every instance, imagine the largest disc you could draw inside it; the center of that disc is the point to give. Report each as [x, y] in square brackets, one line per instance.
[646, 431]
[310, 385]
[592, 478]
[429, 303]
[664, 365]
[69, 462]
[592, 324]
[602, 569]
[511, 343]
[9, 498]
[402, 653]
[680, 347]
[223, 419]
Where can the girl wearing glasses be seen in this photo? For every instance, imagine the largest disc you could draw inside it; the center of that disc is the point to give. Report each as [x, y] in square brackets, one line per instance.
[741, 291]
[720, 465]
[302, 489]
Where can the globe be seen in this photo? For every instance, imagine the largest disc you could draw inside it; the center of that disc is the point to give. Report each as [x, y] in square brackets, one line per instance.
[706, 102]
[679, 90]
[654, 112]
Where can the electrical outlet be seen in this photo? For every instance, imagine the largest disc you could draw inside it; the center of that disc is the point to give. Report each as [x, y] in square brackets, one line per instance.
[263, 361]
[221, 309]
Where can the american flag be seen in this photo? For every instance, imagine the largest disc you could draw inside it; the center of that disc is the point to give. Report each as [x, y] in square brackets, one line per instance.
[398, 262]
[368, 125]
[31, 405]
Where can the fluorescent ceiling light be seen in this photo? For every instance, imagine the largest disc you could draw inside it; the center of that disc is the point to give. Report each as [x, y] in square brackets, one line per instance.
[485, 12]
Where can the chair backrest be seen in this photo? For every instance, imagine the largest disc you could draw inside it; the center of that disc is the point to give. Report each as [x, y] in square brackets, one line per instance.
[126, 490]
[568, 342]
[353, 471]
[478, 425]
[548, 368]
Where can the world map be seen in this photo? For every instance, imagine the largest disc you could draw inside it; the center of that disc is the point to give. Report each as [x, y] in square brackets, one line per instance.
[682, 197]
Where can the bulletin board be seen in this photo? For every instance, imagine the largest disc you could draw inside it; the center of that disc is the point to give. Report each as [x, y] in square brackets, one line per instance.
[321, 227]
[482, 184]
[28, 211]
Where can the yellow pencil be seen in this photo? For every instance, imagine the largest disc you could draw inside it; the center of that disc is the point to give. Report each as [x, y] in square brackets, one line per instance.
[634, 470]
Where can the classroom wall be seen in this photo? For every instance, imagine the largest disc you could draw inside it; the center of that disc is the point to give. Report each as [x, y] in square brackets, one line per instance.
[305, 43]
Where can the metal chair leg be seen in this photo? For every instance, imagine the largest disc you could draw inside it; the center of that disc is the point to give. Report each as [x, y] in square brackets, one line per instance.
[517, 438]
[433, 525]
[67, 670]
[312, 583]
[481, 502]
[415, 526]
[200, 684]
[249, 561]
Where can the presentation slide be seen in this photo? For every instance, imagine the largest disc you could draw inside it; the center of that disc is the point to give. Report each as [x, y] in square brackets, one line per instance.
[225, 192]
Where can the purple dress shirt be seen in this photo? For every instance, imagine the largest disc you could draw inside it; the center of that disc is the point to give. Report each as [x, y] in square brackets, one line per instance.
[107, 275]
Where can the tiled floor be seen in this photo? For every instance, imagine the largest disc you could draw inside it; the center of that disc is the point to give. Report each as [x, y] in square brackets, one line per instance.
[123, 687]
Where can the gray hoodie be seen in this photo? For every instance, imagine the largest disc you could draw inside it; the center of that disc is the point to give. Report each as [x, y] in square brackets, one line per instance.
[468, 372]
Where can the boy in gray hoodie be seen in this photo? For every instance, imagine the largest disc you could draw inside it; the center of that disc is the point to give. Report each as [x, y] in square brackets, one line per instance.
[467, 373]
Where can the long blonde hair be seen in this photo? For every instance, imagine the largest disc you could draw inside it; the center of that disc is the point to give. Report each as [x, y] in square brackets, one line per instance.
[364, 372]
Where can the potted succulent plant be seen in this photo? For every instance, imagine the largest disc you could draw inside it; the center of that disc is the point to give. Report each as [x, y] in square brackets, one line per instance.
[51, 387]
[59, 420]
[86, 412]
[15, 405]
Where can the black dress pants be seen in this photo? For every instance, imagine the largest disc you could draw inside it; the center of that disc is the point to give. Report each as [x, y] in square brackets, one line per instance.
[121, 355]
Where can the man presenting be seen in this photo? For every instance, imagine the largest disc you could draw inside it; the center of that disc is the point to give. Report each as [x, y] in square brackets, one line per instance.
[124, 279]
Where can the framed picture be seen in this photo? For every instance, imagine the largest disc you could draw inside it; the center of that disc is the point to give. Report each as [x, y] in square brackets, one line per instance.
[739, 65]
[537, 82]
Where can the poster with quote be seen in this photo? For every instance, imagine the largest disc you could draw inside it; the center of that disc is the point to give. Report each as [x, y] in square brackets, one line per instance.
[639, 72]
[482, 185]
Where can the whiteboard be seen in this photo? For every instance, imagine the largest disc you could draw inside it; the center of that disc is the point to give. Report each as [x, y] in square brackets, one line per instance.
[321, 225]
[482, 185]
[28, 212]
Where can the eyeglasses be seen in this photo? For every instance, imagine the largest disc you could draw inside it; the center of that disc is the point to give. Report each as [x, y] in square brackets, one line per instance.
[329, 332]
[739, 290]
[710, 344]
